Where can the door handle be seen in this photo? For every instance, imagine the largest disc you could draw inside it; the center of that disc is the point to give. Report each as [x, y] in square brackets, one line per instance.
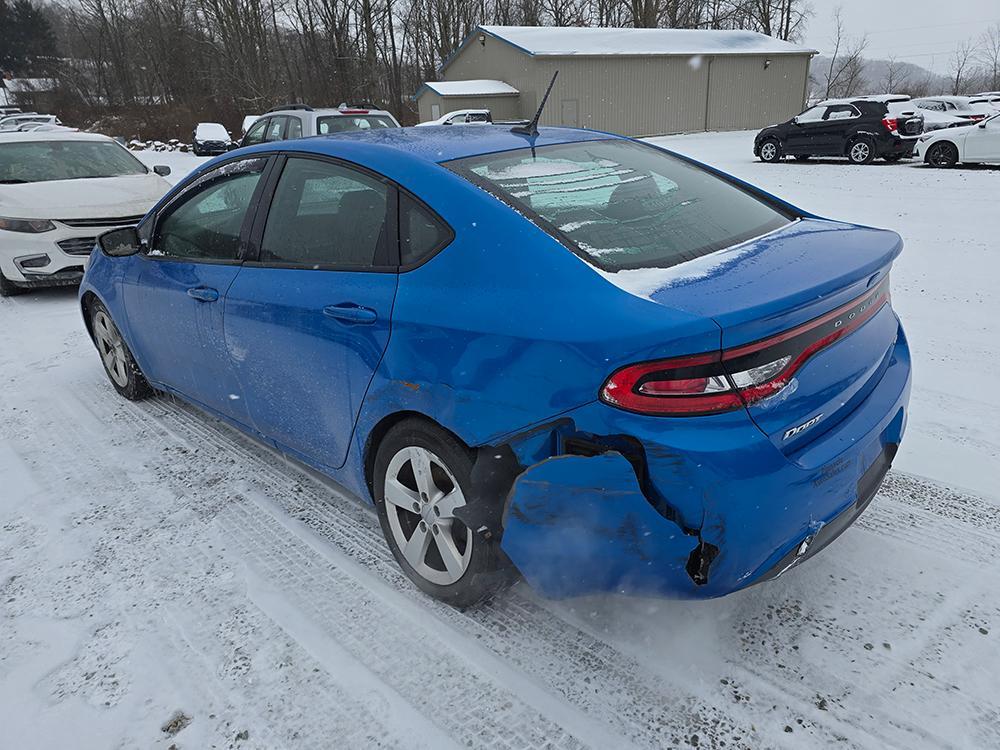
[203, 294]
[348, 312]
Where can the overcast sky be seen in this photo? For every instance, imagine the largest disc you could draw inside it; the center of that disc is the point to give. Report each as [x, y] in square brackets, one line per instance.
[923, 32]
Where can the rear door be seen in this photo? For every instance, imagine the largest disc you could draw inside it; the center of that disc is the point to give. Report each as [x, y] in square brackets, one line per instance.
[175, 307]
[308, 320]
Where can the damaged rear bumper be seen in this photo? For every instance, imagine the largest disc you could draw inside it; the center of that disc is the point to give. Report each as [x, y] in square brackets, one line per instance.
[691, 508]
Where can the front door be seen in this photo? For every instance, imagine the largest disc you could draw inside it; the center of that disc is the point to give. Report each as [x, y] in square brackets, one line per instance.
[807, 134]
[175, 308]
[308, 321]
[983, 143]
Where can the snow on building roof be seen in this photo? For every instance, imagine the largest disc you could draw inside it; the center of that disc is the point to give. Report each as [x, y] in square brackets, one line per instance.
[482, 87]
[600, 42]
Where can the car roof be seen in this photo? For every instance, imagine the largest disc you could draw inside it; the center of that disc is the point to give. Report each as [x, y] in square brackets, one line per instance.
[326, 111]
[49, 135]
[945, 98]
[441, 143]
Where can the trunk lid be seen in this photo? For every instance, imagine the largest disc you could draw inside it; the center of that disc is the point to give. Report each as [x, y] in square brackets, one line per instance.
[814, 283]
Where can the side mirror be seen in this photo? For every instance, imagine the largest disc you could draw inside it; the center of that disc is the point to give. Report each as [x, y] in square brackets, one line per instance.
[119, 243]
[795, 120]
[983, 124]
[161, 169]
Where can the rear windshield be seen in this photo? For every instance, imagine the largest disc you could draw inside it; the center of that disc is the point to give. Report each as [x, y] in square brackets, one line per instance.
[41, 161]
[344, 123]
[622, 204]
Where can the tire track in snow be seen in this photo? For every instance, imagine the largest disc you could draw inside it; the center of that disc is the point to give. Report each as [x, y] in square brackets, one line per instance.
[530, 633]
[577, 666]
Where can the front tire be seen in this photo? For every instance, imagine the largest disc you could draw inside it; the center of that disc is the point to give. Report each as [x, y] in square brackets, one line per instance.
[861, 151]
[119, 364]
[421, 475]
[770, 151]
[942, 155]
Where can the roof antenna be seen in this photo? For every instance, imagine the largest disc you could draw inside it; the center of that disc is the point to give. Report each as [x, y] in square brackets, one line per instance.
[531, 129]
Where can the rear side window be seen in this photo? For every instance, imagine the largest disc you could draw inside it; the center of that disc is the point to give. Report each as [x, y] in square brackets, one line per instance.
[622, 204]
[841, 112]
[325, 214]
[421, 233]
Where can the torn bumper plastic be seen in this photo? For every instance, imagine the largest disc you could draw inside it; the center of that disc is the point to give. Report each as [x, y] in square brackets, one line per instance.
[740, 511]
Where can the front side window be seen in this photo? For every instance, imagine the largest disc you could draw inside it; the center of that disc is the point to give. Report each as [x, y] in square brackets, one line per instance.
[813, 114]
[622, 204]
[206, 224]
[294, 128]
[326, 214]
[43, 161]
[275, 129]
[256, 133]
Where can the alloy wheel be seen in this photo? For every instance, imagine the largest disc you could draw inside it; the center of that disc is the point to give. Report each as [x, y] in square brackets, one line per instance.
[768, 151]
[941, 156]
[111, 348]
[860, 151]
[421, 495]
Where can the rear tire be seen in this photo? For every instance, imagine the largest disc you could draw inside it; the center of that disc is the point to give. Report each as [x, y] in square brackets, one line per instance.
[9, 288]
[770, 151]
[119, 364]
[861, 150]
[942, 155]
[421, 475]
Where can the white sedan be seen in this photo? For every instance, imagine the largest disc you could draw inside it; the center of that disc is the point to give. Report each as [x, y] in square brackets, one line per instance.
[462, 117]
[969, 144]
[58, 191]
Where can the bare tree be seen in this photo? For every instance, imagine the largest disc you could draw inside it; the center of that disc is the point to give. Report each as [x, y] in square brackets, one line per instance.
[988, 55]
[845, 75]
[958, 69]
[896, 78]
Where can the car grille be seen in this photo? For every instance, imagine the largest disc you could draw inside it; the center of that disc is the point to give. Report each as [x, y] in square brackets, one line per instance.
[113, 221]
[78, 245]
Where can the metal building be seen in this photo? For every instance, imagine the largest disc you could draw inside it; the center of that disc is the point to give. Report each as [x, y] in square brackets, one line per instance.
[630, 81]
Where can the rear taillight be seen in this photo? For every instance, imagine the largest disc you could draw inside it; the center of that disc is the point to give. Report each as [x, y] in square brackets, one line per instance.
[717, 382]
[890, 123]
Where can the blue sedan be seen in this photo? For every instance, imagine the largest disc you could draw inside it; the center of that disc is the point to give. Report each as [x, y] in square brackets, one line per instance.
[569, 356]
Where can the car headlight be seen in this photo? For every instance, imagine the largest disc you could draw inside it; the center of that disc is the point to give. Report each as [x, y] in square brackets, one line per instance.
[31, 226]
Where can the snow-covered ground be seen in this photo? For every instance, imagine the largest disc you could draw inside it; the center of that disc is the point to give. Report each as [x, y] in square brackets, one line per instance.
[165, 581]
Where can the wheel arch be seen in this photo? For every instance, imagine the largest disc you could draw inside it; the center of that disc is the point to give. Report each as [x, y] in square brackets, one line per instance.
[381, 428]
[87, 300]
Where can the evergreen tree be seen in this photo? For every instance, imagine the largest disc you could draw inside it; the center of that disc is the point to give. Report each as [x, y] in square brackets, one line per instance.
[27, 41]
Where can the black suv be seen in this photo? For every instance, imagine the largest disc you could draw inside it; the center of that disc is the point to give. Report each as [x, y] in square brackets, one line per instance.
[860, 129]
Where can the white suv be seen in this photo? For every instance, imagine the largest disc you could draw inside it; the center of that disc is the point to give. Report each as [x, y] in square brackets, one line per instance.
[301, 120]
[58, 191]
